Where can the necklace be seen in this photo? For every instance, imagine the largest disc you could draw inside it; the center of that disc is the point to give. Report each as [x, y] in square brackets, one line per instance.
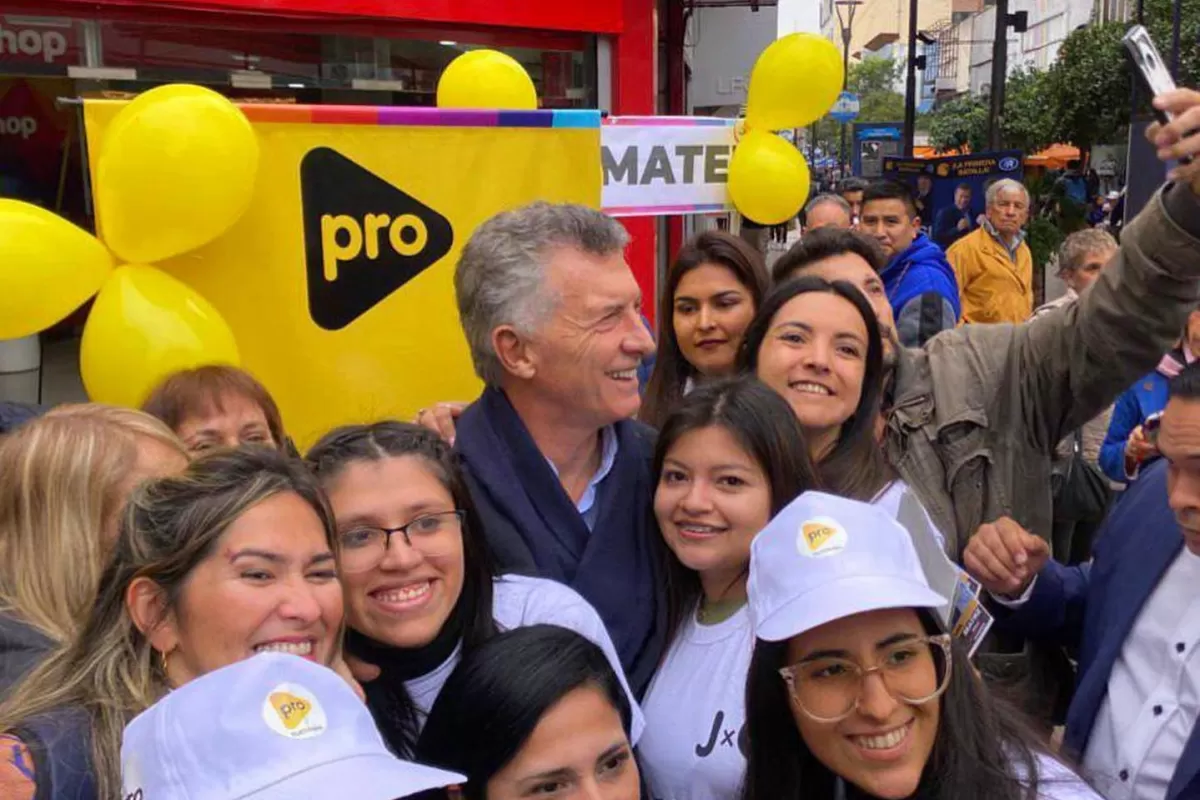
[712, 613]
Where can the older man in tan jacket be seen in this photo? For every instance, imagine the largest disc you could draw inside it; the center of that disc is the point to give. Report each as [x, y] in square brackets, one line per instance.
[992, 263]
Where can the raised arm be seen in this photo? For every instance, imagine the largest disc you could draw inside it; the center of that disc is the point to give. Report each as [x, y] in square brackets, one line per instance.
[1072, 365]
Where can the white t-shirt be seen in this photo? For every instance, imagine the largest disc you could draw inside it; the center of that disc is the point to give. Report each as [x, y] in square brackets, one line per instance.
[695, 712]
[519, 601]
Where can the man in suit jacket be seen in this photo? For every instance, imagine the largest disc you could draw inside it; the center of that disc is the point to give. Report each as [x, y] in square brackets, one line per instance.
[1133, 612]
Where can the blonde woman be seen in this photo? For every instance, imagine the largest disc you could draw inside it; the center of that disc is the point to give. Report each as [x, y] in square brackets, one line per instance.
[67, 474]
[232, 558]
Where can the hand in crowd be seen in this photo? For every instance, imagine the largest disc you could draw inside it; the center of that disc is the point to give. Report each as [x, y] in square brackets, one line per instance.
[1182, 137]
[1004, 557]
[963, 224]
[1138, 447]
[440, 419]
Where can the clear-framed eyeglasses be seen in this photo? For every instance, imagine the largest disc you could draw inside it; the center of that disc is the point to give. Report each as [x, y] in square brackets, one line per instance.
[914, 671]
[362, 547]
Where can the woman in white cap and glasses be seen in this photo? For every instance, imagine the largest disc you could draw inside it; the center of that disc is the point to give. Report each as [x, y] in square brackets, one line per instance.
[855, 691]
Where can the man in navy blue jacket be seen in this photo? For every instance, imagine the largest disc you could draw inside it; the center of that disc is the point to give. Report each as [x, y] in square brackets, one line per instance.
[919, 282]
[955, 222]
[1133, 613]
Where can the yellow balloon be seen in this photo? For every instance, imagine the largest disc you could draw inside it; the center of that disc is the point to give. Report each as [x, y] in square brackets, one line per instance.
[175, 171]
[48, 268]
[486, 79]
[768, 178]
[144, 326]
[795, 81]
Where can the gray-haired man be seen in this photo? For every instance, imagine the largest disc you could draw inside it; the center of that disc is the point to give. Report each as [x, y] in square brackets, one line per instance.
[993, 265]
[560, 472]
[826, 211]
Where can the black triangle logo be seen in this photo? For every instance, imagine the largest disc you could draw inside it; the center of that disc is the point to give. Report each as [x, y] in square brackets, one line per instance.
[363, 237]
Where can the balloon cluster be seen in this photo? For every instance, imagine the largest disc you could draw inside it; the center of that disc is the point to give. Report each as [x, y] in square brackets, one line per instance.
[175, 171]
[795, 81]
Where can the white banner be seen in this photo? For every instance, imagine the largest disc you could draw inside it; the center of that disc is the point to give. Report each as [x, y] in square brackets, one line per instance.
[655, 166]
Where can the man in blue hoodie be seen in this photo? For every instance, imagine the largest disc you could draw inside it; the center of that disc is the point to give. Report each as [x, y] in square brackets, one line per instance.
[919, 282]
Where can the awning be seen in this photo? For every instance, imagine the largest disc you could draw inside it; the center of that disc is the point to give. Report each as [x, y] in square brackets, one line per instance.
[1056, 156]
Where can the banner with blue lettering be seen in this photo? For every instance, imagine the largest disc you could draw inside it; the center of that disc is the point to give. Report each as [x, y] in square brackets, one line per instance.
[950, 191]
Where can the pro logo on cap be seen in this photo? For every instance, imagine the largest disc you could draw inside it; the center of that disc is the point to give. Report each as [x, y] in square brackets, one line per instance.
[292, 711]
[821, 536]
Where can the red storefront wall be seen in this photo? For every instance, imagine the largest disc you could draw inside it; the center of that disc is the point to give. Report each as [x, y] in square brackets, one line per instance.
[630, 25]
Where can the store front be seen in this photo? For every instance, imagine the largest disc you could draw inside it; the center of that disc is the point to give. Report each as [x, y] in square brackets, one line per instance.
[598, 54]
[122, 49]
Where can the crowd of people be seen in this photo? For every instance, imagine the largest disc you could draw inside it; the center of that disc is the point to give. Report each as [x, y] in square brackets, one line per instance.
[713, 583]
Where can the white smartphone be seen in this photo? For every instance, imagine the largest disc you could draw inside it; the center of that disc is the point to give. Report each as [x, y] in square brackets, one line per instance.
[1150, 68]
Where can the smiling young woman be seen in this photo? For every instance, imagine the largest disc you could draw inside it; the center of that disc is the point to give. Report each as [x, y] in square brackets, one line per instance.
[818, 344]
[728, 459]
[855, 691]
[231, 558]
[712, 291]
[420, 587]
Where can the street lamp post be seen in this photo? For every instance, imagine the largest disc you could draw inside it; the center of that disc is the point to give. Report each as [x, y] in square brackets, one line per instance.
[999, 75]
[847, 25]
[910, 80]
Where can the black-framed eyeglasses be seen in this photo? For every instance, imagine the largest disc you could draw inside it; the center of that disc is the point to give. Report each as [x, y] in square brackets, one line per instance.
[914, 671]
[362, 547]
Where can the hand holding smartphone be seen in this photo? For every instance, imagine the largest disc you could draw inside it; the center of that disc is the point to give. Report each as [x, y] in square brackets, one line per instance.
[1150, 427]
[1151, 70]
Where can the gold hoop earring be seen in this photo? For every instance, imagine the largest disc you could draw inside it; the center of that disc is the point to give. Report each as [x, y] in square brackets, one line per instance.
[163, 663]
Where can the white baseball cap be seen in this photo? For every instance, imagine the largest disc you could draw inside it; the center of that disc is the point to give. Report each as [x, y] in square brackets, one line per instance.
[272, 727]
[823, 558]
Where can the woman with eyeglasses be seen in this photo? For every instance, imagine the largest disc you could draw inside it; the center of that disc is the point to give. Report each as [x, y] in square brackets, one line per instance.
[418, 579]
[855, 690]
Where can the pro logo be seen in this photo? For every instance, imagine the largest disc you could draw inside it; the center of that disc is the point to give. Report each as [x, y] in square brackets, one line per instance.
[821, 536]
[292, 711]
[363, 237]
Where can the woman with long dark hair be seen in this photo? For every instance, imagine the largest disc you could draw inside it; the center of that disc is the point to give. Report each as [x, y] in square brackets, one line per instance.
[418, 578]
[855, 690]
[729, 458]
[534, 712]
[712, 290]
[817, 343]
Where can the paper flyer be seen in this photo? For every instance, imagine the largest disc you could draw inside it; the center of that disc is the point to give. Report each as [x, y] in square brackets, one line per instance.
[965, 615]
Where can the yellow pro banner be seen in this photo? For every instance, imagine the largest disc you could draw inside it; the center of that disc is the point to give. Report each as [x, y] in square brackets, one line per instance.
[338, 281]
